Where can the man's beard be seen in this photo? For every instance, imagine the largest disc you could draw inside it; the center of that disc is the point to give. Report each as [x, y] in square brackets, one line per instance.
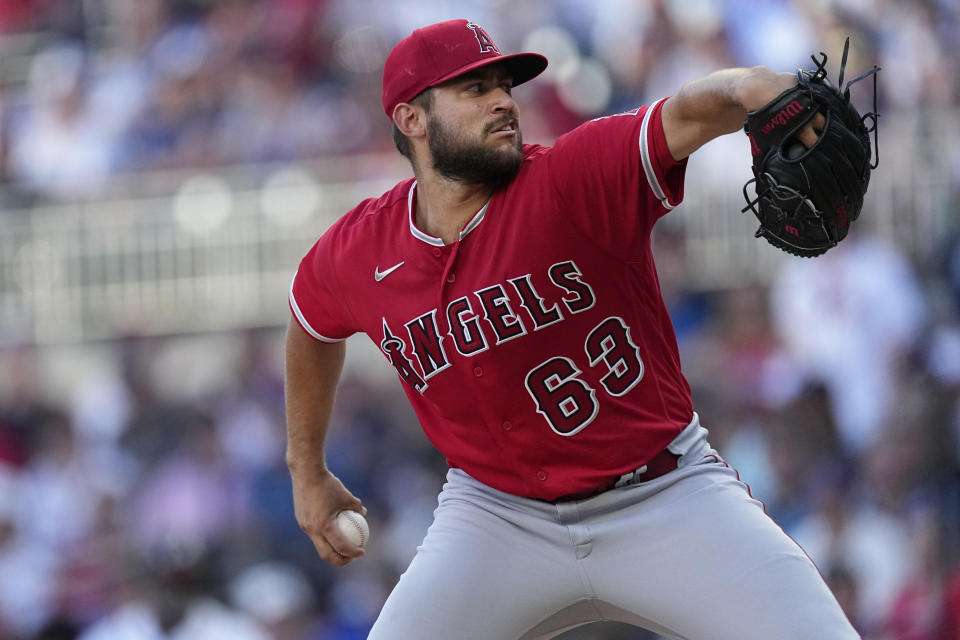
[470, 162]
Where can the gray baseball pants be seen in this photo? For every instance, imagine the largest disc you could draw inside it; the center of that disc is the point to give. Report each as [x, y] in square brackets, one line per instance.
[690, 555]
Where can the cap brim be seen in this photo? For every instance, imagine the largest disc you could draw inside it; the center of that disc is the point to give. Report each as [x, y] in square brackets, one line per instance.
[522, 67]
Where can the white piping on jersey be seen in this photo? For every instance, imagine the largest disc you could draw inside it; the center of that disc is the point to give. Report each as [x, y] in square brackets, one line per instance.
[303, 321]
[433, 240]
[647, 163]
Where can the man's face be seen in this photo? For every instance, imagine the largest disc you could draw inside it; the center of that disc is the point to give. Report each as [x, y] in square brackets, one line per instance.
[473, 130]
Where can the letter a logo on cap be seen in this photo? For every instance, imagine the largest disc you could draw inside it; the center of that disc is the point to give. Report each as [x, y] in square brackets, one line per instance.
[486, 42]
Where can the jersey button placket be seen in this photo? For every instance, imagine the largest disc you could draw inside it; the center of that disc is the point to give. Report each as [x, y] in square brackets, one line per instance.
[478, 372]
[542, 475]
[507, 425]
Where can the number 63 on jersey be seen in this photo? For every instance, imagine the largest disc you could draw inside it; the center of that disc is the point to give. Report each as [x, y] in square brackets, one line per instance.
[564, 399]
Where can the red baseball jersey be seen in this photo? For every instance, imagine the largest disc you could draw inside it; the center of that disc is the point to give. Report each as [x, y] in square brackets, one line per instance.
[536, 350]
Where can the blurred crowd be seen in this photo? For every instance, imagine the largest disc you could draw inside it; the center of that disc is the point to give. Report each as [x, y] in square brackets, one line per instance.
[92, 89]
[143, 491]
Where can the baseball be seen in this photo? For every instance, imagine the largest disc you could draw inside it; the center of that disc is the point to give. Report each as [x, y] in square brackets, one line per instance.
[354, 527]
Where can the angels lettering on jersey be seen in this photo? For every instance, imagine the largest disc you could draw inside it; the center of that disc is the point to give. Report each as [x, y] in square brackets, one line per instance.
[487, 318]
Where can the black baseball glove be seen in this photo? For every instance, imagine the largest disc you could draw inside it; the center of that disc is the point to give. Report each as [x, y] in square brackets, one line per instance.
[805, 199]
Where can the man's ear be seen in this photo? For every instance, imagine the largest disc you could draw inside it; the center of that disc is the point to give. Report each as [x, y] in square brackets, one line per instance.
[410, 120]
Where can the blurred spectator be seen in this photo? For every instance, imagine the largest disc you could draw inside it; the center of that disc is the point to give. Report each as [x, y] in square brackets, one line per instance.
[284, 121]
[689, 310]
[278, 596]
[92, 577]
[769, 32]
[60, 146]
[848, 319]
[192, 500]
[926, 607]
[845, 587]
[28, 569]
[60, 479]
[868, 544]
[916, 59]
[175, 127]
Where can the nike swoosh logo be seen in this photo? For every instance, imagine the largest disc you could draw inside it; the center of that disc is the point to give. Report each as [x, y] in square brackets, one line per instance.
[380, 275]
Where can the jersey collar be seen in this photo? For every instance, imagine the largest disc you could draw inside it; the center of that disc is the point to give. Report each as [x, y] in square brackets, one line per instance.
[433, 240]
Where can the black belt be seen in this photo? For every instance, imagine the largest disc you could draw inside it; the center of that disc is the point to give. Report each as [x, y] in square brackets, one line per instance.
[661, 464]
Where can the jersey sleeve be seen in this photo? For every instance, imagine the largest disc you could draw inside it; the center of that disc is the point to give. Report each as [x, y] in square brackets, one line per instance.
[615, 178]
[314, 297]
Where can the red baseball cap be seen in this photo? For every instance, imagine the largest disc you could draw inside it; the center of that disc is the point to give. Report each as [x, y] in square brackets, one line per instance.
[432, 55]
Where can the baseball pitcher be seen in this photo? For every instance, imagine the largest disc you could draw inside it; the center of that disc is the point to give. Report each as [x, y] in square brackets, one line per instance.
[513, 288]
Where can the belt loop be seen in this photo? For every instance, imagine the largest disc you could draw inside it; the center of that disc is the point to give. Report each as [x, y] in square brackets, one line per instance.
[629, 478]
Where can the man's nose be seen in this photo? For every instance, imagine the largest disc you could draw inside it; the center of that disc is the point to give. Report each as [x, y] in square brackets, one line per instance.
[503, 102]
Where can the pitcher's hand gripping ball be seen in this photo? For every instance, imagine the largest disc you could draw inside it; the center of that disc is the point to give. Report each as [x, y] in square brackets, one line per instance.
[354, 527]
[805, 199]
